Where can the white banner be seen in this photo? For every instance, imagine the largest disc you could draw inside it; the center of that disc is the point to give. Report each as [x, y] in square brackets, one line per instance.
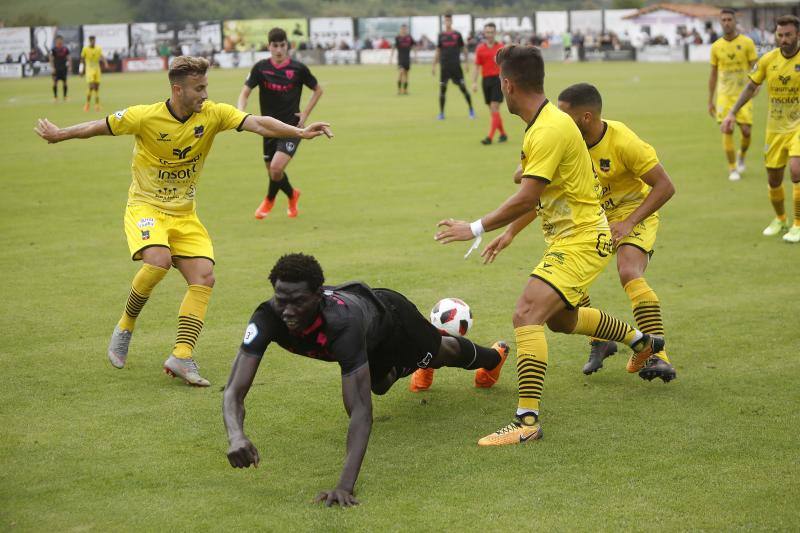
[110, 37]
[239, 59]
[615, 21]
[144, 64]
[461, 23]
[148, 37]
[552, 22]
[375, 57]
[506, 24]
[586, 21]
[332, 32]
[660, 54]
[424, 30]
[700, 53]
[342, 57]
[14, 42]
[10, 70]
[43, 39]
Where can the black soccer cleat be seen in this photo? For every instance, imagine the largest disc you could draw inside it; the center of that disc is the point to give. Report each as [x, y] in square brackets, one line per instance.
[655, 367]
[503, 138]
[486, 141]
[600, 350]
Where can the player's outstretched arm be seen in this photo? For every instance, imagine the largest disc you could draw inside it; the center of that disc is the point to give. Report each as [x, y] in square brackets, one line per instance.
[241, 103]
[662, 190]
[358, 404]
[53, 134]
[503, 240]
[271, 127]
[241, 452]
[730, 119]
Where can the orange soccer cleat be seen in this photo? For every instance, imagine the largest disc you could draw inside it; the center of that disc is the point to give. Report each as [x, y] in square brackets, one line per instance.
[264, 208]
[421, 380]
[292, 211]
[649, 345]
[486, 378]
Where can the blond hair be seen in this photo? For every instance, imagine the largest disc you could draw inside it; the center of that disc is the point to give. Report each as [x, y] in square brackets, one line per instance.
[183, 66]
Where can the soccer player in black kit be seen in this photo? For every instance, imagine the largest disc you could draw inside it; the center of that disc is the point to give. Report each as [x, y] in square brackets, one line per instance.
[60, 64]
[280, 81]
[448, 53]
[403, 43]
[375, 335]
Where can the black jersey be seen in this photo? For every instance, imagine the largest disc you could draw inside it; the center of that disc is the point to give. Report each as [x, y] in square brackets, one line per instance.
[60, 55]
[280, 87]
[450, 45]
[351, 324]
[404, 44]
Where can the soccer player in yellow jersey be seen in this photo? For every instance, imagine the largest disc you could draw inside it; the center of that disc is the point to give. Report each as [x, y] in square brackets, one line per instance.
[635, 185]
[732, 57]
[780, 68]
[559, 185]
[91, 57]
[173, 139]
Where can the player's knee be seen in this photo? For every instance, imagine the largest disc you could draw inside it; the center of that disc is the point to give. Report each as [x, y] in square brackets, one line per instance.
[276, 171]
[207, 279]
[628, 273]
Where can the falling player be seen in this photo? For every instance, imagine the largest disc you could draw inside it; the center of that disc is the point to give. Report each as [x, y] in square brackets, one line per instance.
[280, 81]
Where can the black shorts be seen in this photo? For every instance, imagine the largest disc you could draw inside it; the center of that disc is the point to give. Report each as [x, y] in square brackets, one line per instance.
[414, 341]
[287, 146]
[453, 73]
[491, 89]
[404, 64]
[60, 74]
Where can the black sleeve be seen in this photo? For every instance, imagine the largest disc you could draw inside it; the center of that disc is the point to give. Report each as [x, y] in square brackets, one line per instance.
[259, 332]
[350, 348]
[309, 80]
[460, 40]
[439, 41]
[254, 78]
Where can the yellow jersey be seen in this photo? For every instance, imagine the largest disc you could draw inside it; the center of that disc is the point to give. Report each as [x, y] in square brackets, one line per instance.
[620, 158]
[169, 153]
[554, 151]
[782, 75]
[732, 59]
[91, 56]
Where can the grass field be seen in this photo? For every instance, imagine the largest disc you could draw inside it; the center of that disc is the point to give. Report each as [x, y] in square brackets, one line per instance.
[85, 447]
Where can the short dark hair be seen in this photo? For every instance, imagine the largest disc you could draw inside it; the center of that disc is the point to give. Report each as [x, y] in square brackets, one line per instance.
[298, 267]
[59, 37]
[490, 25]
[276, 35]
[785, 20]
[183, 66]
[523, 65]
[582, 94]
[448, 15]
[727, 11]
[91, 37]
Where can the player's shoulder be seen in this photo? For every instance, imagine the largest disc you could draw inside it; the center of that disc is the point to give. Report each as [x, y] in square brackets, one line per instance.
[619, 129]
[744, 39]
[770, 56]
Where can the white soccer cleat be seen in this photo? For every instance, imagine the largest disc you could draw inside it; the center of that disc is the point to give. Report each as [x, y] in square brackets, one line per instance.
[734, 175]
[774, 228]
[740, 166]
[118, 346]
[793, 235]
[185, 369]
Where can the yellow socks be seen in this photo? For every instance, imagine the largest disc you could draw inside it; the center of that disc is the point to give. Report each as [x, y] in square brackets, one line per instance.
[142, 286]
[531, 366]
[796, 198]
[730, 153]
[646, 309]
[595, 323]
[190, 319]
[776, 197]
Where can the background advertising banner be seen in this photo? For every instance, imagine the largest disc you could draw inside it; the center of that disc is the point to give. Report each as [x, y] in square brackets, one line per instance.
[43, 40]
[251, 35]
[150, 38]
[110, 37]
[588, 21]
[198, 38]
[377, 28]
[506, 24]
[551, 22]
[461, 23]
[14, 42]
[425, 29]
[332, 32]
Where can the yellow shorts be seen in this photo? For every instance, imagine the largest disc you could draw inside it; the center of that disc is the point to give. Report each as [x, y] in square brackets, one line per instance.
[643, 234]
[184, 235]
[93, 75]
[779, 147]
[725, 103]
[570, 265]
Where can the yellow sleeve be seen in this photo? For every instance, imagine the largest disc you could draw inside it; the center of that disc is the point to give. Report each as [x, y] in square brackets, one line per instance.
[83, 52]
[714, 59]
[229, 117]
[752, 54]
[125, 121]
[638, 156]
[544, 149]
[759, 72]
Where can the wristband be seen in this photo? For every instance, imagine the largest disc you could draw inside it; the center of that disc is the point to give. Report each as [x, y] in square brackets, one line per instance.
[476, 228]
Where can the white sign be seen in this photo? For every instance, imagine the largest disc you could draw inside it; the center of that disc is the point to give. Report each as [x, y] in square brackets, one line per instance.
[239, 59]
[149, 64]
[375, 57]
[14, 42]
[506, 24]
[427, 27]
[10, 70]
[551, 22]
[341, 57]
[332, 32]
[586, 21]
[43, 39]
[110, 37]
[660, 54]
[462, 24]
[700, 53]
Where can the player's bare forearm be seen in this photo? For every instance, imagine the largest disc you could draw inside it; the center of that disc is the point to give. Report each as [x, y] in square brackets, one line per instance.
[521, 203]
[747, 94]
[243, 372]
[270, 127]
[312, 102]
[521, 223]
[53, 134]
[241, 103]
[662, 190]
[358, 404]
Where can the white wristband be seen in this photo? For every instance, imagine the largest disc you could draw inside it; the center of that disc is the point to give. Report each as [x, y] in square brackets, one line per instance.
[477, 228]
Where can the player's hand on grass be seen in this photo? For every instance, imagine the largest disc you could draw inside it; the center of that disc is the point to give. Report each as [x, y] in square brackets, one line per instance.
[499, 243]
[343, 497]
[712, 110]
[47, 130]
[727, 124]
[620, 230]
[242, 453]
[453, 230]
[316, 129]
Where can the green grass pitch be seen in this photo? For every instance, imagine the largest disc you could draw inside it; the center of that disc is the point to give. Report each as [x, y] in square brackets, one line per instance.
[85, 447]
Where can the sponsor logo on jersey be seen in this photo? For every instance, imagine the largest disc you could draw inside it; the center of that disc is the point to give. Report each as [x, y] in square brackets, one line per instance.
[289, 74]
[198, 131]
[250, 333]
[784, 79]
[148, 222]
[120, 113]
[605, 165]
[181, 152]
[145, 235]
[163, 137]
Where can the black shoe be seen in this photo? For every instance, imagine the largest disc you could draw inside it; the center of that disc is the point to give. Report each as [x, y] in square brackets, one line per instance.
[503, 138]
[486, 141]
[600, 350]
[655, 367]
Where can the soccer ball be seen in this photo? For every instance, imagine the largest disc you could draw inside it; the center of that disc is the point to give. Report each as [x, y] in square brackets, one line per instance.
[452, 316]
